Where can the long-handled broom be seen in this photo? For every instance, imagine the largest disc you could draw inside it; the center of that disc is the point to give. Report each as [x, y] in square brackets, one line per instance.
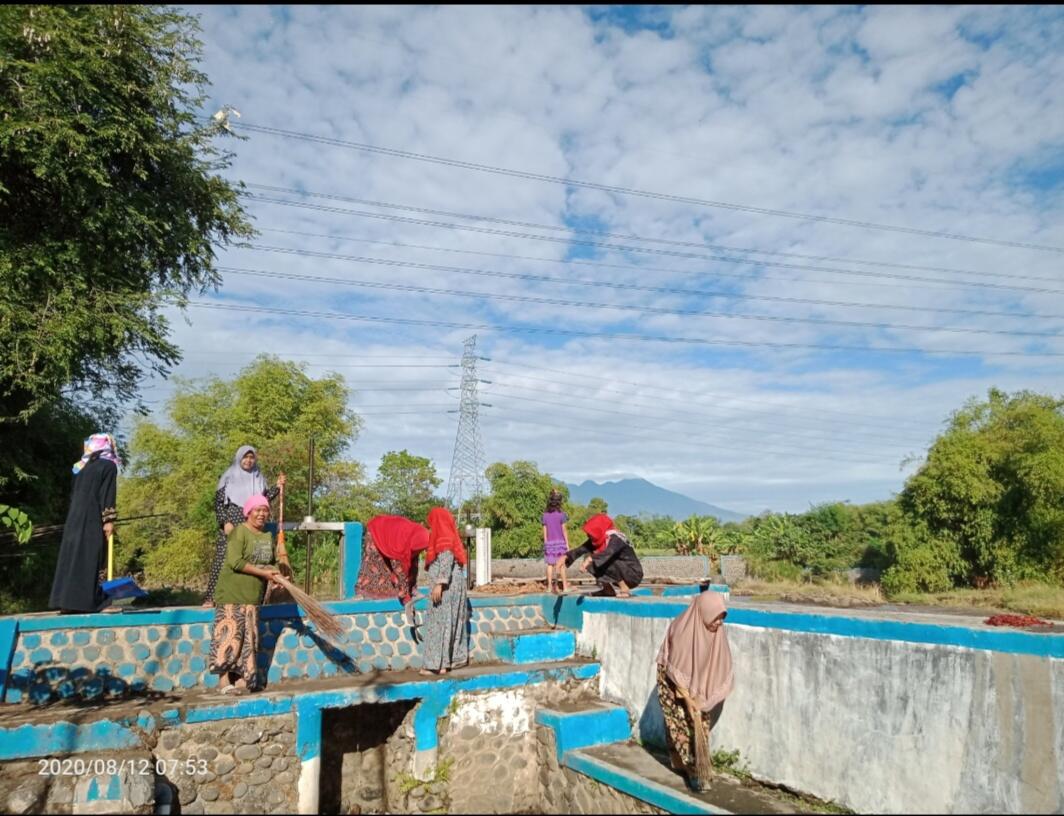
[317, 614]
[275, 594]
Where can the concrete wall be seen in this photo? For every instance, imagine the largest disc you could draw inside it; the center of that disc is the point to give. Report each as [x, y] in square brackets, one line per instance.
[96, 657]
[877, 724]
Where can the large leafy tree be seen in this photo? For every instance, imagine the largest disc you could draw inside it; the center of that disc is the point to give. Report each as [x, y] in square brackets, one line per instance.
[111, 204]
[990, 490]
[174, 467]
[406, 485]
[514, 510]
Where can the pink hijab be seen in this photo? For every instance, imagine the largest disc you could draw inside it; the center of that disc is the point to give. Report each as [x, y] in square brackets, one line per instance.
[695, 659]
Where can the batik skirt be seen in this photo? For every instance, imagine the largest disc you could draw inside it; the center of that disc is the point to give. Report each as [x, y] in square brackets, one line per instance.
[685, 748]
[235, 642]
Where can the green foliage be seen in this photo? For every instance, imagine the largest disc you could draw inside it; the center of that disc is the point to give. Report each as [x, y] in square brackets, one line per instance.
[518, 494]
[525, 541]
[406, 485]
[730, 762]
[17, 521]
[111, 201]
[35, 471]
[174, 468]
[922, 562]
[992, 486]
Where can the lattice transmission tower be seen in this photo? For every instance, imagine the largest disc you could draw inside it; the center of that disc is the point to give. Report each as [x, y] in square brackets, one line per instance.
[467, 466]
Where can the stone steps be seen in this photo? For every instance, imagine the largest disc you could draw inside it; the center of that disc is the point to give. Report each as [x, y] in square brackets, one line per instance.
[534, 645]
[585, 725]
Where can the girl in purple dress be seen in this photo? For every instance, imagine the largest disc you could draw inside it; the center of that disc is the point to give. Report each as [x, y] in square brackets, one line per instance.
[555, 540]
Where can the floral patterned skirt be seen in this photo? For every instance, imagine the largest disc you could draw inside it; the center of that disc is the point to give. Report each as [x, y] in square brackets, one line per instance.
[680, 728]
[235, 642]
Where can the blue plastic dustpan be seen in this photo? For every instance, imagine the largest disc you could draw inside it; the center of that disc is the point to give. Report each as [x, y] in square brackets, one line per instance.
[122, 588]
[119, 587]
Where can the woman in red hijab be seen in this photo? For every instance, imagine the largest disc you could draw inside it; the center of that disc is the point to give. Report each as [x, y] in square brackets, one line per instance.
[389, 558]
[611, 558]
[446, 636]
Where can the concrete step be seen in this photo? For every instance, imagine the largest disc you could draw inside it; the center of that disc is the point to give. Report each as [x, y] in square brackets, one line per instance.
[586, 724]
[534, 645]
[632, 769]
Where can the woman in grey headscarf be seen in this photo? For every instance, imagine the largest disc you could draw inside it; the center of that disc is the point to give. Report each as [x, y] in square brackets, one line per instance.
[240, 482]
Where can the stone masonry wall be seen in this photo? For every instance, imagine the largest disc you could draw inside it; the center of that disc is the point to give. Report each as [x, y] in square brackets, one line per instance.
[488, 746]
[232, 766]
[563, 790]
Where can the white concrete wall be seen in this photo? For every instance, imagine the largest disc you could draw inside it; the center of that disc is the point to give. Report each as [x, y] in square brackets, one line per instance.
[878, 726]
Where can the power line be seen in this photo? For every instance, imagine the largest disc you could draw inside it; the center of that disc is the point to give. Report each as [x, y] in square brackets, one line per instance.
[642, 436]
[371, 386]
[647, 250]
[613, 335]
[787, 447]
[634, 267]
[833, 433]
[632, 237]
[631, 191]
[733, 398]
[402, 287]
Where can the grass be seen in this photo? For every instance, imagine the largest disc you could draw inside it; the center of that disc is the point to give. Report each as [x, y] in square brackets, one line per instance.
[830, 592]
[1029, 598]
[730, 762]
[407, 781]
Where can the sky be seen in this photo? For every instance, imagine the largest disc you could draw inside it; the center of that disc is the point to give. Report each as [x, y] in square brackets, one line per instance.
[756, 255]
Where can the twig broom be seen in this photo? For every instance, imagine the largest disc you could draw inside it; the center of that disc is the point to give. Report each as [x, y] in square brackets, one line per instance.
[317, 614]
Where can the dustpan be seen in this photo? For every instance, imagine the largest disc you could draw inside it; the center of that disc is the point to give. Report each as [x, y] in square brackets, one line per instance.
[118, 588]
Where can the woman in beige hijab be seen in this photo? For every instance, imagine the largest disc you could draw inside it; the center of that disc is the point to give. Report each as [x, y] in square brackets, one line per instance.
[694, 677]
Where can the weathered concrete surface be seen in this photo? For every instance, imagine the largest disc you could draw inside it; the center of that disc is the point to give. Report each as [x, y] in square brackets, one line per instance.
[877, 725]
[686, 567]
[725, 793]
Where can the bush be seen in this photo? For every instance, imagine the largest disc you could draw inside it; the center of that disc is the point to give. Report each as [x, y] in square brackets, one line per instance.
[922, 562]
[183, 558]
[525, 541]
[771, 569]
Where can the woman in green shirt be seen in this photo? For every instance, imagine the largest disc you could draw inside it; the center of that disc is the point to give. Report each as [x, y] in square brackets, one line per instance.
[248, 568]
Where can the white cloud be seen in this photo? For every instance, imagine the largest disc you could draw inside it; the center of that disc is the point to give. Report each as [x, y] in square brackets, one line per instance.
[837, 111]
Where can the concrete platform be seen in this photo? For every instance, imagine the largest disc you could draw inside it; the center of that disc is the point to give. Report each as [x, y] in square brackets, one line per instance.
[64, 728]
[650, 779]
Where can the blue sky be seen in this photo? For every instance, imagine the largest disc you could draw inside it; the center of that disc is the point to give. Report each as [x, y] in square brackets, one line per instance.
[945, 119]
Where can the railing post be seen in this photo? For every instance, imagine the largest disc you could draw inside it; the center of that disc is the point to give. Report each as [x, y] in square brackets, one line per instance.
[350, 559]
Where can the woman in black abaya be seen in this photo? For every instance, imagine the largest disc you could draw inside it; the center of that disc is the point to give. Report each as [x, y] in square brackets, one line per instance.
[90, 520]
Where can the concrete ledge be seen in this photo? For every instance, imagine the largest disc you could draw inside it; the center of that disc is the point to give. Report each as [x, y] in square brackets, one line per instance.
[597, 725]
[60, 731]
[636, 786]
[534, 647]
[569, 611]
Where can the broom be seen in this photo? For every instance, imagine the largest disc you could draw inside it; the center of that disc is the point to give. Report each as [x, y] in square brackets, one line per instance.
[317, 614]
[287, 571]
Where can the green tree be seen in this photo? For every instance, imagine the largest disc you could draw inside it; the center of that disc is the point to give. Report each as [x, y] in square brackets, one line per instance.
[991, 488]
[514, 510]
[406, 485]
[174, 467]
[111, 204]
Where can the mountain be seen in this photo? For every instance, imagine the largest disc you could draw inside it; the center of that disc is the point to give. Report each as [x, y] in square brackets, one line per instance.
[631, 497]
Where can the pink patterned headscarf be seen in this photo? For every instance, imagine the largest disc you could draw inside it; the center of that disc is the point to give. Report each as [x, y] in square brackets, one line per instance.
[101, 443]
